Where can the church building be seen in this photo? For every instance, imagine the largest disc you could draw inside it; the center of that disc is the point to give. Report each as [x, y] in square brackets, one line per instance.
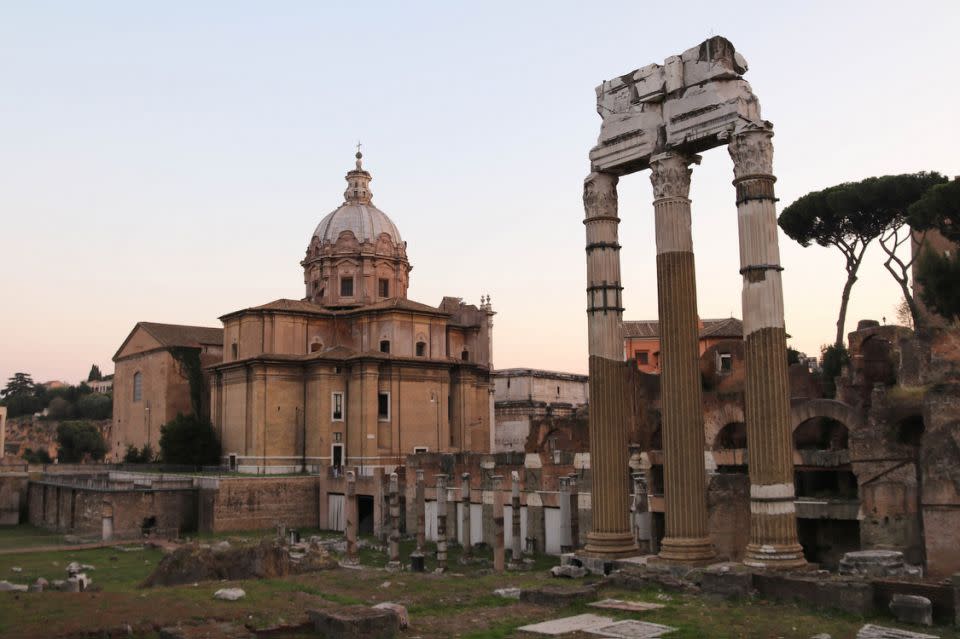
[355, 374]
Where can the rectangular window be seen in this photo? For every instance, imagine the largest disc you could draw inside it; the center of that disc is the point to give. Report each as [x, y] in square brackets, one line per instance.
[346, 286]
[419, 450]
[643, 357]
[384, 287]
[383, 407]
[385, 346]
[421, 349]
[336, 407]
[137, 386]
[726, 362]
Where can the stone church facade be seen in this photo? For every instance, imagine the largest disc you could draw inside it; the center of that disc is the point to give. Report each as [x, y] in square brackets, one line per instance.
[356, 374]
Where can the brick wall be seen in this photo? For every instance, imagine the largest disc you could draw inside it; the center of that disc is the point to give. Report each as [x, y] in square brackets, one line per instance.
[260, 503]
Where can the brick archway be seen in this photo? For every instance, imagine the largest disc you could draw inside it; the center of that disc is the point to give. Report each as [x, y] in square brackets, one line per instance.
[830, 408]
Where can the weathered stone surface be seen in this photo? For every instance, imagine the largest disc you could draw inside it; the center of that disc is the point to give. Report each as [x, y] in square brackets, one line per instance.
[871, 631]
[230, 594]
[873, 563]
[572, 572]
[726, 580]
[912, 609]
[6, 586]
[191, 564]
[507, 593]
[566, 625]
[207, 630]
[631, 629]
[855, 597]
[355, 622]
[556, 596]
[401, 611]
[619, 604]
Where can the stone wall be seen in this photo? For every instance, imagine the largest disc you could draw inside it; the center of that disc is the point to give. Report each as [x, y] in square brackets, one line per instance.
[81, 510]
[13, 494]
[251, 503]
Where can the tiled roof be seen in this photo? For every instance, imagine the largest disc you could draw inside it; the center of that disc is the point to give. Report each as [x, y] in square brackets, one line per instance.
[298, 306]
[401, 304]
[180, 335]
[729, 327]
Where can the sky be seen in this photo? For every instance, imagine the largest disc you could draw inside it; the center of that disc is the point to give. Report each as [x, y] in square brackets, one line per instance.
[168, 162]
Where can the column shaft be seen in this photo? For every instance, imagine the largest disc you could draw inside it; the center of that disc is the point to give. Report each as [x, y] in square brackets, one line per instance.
[773, 523]
[610, 537]
[686, 537]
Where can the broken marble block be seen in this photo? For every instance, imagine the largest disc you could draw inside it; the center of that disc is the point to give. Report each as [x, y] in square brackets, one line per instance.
[912, 609]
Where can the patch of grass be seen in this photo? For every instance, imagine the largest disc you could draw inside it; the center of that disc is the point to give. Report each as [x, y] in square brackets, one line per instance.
[114, 570]
[27, 536]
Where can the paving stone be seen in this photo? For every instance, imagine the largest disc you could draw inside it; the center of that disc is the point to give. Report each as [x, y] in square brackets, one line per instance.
[619, 604]
[631, 629]
[871, 631]
[556, 596]
[565, 625]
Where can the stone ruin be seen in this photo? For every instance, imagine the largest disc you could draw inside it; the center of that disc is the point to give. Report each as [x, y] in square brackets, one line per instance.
[659, 117]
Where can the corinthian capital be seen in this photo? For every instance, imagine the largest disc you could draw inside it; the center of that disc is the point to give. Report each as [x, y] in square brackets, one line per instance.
[670, 174]
[600, 195]
[752, 152]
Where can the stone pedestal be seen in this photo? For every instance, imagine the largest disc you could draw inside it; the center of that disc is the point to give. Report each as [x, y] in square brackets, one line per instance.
[353, 556]
[773, 522]
[465, 506]
[441, 522]
[686, 538]
[394, 538]
[609, 417]
[498, 549]
[641, 512]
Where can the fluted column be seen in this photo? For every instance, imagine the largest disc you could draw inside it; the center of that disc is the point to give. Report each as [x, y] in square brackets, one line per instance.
[773, 520]
[610, 537]
[686, 538]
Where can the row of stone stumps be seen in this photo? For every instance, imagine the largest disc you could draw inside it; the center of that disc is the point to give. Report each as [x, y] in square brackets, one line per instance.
[417, 556]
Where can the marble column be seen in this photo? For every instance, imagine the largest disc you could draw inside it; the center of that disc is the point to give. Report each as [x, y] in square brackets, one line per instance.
[353, 556]
[641, 511]
[566, 535]
[394, 538]
[441, 522]
[611, 536]
[467, 542]
[574, 511]
[498, 550]
[685, 495]
[419, 509]
[773, 521]
[516, 547]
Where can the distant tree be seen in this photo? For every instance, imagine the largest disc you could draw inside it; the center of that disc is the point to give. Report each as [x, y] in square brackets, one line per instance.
[94, 406]
[188, 439]
[904, 317]
[94, 375]
[20, 385]
[891, 197]
[849, 216]
[832, 360]
[80, 440]
[938, 275]
[36, 456]
[136, 455]
[60, 408]
[793, 356]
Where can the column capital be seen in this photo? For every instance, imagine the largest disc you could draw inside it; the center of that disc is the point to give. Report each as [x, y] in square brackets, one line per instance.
[600, 195]
[670, 174]
[751, 150]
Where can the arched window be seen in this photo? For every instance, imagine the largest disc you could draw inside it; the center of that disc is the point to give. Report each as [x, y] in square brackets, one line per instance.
[315, 346]
[137, 386]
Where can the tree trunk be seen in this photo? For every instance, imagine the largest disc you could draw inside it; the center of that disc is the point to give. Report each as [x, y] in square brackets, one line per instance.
[844, 300]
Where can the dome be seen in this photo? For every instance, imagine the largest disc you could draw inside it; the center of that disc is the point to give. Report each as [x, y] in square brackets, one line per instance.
[366, 222]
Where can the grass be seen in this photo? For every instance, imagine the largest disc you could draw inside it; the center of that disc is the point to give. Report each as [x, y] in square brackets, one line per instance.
[27, 536]
[459, 603]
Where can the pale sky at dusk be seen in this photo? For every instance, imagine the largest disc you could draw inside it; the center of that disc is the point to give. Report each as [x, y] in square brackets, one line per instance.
[169, 161]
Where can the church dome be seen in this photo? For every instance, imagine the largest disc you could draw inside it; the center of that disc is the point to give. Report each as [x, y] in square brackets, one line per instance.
[357, 213]
[366, 222]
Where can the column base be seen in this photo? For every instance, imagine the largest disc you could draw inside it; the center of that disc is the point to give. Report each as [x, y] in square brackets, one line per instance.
[775, 556]
[610, 545]
[687, 550]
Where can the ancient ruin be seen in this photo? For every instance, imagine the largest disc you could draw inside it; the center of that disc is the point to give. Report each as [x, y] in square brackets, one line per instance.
[659, 117]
